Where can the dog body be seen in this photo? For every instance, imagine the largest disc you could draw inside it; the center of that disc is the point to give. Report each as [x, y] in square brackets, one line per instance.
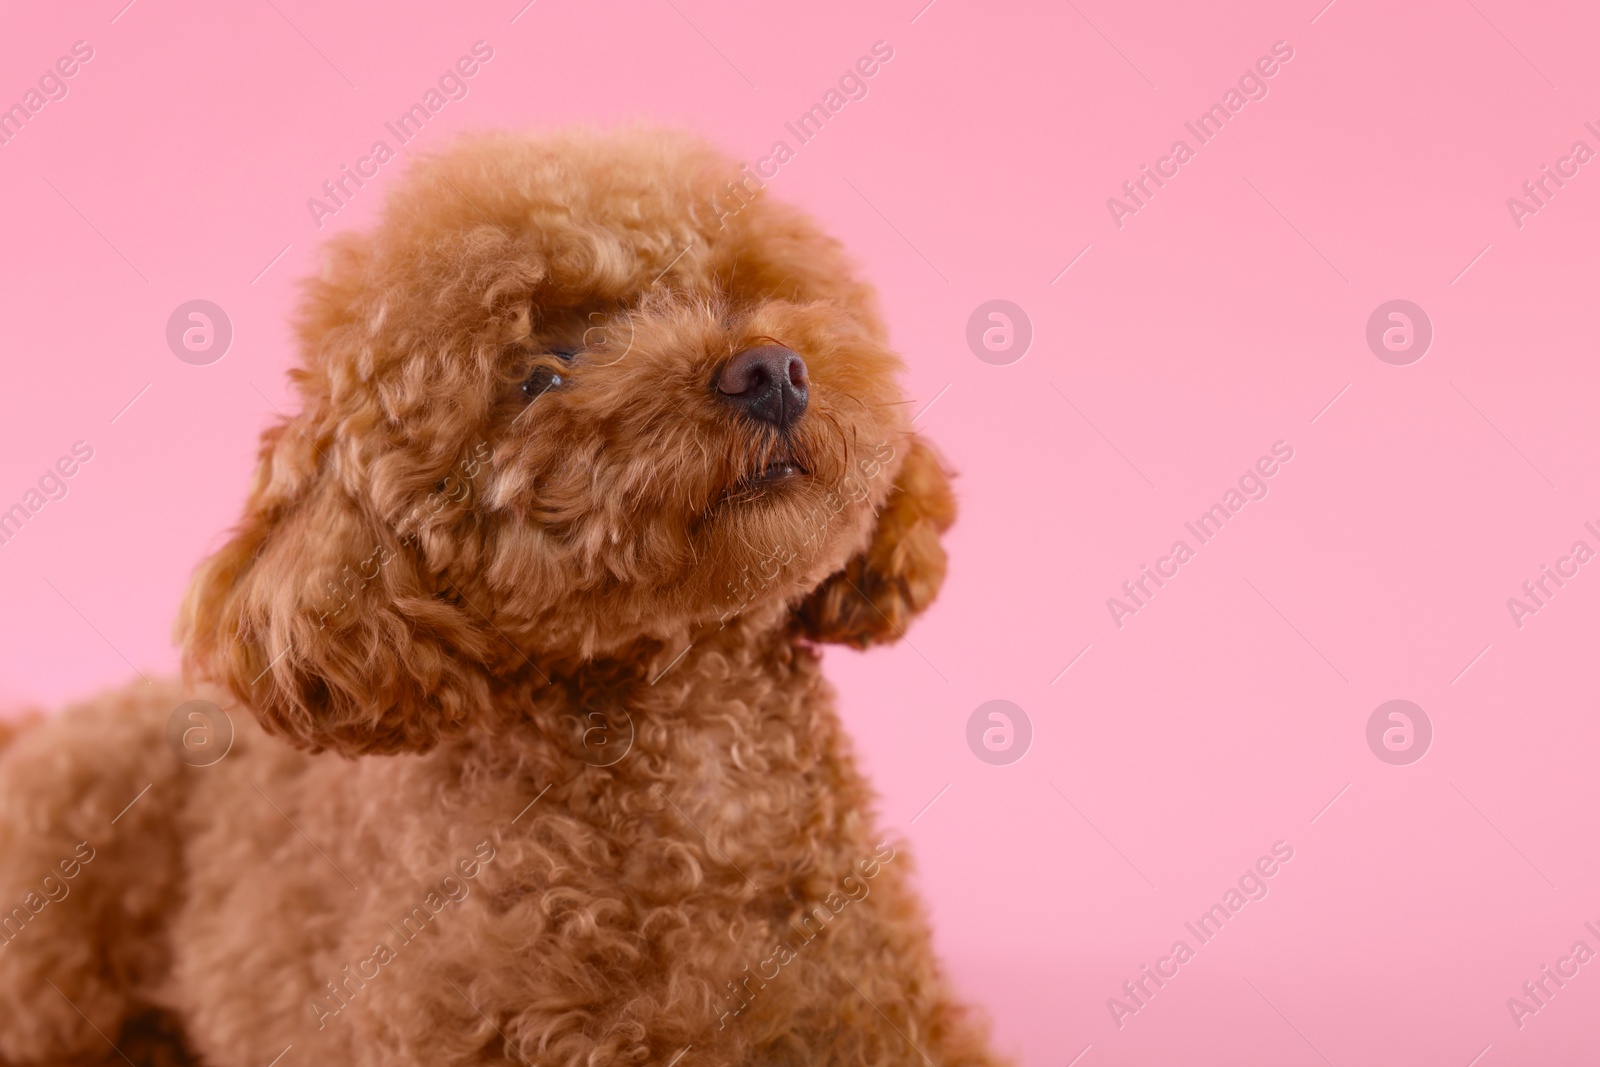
[524, 601]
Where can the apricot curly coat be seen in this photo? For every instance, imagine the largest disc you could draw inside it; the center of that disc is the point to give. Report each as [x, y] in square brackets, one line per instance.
[533, 762]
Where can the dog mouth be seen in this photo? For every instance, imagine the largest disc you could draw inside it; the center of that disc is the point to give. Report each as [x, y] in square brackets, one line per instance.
[773, 473]
[758, 482]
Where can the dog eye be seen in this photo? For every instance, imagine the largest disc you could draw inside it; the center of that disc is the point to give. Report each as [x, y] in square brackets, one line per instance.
[540, 380]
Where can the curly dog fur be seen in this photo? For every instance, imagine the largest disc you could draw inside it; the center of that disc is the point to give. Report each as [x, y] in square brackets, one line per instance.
[533, 761]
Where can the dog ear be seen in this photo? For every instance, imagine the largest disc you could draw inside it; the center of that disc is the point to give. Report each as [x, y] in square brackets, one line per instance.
[875, 596]
[324, 620]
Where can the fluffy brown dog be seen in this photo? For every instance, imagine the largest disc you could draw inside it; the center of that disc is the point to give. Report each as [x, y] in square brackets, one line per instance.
[591, 451]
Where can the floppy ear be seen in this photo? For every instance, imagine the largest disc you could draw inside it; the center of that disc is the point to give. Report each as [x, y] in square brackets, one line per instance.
[323, 619]
[873, 599]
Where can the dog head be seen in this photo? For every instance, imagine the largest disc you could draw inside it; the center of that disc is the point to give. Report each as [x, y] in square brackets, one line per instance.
[575, 397]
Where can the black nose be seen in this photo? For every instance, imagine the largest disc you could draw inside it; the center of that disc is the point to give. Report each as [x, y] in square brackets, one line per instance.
[769, 382]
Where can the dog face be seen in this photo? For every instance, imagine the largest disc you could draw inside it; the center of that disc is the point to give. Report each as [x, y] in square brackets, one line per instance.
[574, 398]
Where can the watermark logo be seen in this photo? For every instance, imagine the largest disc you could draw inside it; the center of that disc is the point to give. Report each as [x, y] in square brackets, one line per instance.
[52, 889]
[999, 732]
[811, 923]
[999, 332]
[1206, 127]
[734, 196]
[336, 994]
[453, 85]
[854, 490]
[456, 488]
[1252, 485]
[1539, 591]
[1538, 992]
[199, 332]
[607, 737]
[1252, 886]
[51, 86]
[1539, 191]
[51, 486]
[1399, 732]
[1399, 332]
[199, 733]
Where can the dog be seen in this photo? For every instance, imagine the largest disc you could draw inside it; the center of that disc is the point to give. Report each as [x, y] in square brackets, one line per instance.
[502, 737]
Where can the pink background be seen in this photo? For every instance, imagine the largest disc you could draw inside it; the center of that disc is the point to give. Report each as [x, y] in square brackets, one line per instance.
[1224, 316]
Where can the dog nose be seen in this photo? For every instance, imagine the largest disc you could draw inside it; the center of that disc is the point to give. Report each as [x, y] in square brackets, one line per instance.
[769, 382]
